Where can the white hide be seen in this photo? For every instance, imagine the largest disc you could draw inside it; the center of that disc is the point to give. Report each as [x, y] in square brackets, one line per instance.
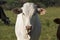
[27, 19]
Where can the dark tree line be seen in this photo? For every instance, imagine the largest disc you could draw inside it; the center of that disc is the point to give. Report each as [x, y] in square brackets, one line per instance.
[43, 3]
[46, 2]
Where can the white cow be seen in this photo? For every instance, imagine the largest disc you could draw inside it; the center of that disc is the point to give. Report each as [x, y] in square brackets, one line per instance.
[28, 25]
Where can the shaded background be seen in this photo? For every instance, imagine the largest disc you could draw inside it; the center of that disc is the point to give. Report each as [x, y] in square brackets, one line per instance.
[49, 28]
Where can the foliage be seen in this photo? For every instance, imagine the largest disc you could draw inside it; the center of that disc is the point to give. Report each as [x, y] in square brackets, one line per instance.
[43, 3]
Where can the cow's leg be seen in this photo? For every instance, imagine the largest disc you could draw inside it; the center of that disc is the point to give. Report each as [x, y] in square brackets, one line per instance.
[6, 20]
[3, 16]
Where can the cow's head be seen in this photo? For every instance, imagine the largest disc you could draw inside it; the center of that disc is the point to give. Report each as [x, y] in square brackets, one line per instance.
[29, 11]
[57, 20]
[39, 10]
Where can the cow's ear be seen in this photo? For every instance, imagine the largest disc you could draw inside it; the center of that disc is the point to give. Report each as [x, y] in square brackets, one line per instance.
[41, 11]
[17, 10]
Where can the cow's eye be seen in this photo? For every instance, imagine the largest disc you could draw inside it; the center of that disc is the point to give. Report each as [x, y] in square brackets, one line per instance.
[23, 14]
[34, 14]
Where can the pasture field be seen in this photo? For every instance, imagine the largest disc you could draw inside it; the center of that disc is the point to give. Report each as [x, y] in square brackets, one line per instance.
[48, 31]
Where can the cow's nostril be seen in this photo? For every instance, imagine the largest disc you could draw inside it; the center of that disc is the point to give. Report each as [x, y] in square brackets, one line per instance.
[29, 28]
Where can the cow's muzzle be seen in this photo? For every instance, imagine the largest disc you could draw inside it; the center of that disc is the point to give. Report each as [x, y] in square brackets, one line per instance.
[29, 28]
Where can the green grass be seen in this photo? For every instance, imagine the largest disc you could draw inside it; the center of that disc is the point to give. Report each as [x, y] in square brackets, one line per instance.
[49, 28]
[7, 31]
[48, 31]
